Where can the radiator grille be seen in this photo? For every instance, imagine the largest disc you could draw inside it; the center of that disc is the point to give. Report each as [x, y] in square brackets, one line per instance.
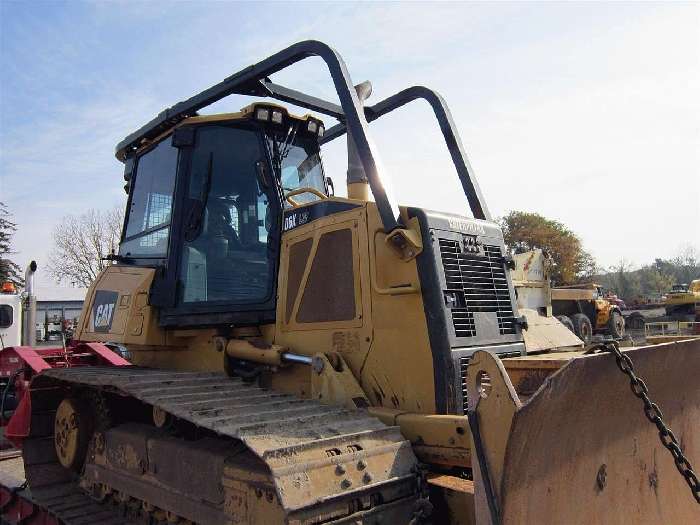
[476, 282]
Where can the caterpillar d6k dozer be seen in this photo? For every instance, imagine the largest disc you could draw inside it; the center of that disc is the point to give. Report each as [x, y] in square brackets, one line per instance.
[303, 358]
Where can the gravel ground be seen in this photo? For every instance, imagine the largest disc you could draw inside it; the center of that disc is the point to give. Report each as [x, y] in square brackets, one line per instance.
[11, 471]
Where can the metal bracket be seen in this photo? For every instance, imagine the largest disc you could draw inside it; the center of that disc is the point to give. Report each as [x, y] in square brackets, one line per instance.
[333, 383]
[407, 243]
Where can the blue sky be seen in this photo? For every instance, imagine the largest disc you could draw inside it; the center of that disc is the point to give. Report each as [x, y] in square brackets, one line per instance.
[587, 113]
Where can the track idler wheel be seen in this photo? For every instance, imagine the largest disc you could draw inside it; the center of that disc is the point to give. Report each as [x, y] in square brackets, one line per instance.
[73, 426]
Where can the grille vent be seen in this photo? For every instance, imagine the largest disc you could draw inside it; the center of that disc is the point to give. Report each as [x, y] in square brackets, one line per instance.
[476, 282]
[463, 362]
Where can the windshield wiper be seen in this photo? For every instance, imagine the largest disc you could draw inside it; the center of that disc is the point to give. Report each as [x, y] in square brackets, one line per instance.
[194, 222]
[281, 148]
[115, 257]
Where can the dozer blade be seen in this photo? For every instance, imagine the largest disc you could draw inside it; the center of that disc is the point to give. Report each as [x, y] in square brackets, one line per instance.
[581, 450]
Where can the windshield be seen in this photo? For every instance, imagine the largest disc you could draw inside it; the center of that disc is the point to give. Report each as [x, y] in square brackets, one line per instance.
[297, 164]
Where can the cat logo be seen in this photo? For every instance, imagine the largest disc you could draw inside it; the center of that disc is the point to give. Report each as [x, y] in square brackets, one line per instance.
[103, 310]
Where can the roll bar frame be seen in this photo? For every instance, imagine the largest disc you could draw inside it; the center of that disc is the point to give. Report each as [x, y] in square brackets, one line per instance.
[449, 133]
[254, 81]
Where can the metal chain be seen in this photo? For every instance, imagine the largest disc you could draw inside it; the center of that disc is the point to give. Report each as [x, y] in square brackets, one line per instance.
[654, 414]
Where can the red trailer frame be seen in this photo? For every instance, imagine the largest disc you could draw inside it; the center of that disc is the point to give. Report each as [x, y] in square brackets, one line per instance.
[21, 363]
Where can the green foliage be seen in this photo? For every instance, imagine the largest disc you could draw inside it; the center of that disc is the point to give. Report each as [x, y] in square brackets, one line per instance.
[527, 231]
[9, 271]
[624, 282]
[524, 231]
[652, 279]
[653, 282]
[685, 266]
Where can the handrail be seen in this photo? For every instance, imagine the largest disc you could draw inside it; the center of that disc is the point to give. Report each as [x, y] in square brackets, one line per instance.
[672, 328]
[299, 191]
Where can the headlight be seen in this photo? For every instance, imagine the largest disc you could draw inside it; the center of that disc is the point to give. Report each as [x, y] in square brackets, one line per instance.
[321, 130]
[262, 114]
[313, 126]
[277, 117]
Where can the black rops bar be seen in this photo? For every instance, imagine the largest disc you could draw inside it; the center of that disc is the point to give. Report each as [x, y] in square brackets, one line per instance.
[253, 81]
[302, 99]
[449, 133]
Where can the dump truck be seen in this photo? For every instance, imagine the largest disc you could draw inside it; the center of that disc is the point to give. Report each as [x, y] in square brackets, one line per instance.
[585, 310]
[303, 358]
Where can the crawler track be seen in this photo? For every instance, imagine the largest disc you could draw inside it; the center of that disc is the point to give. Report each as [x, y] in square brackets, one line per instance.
[56, 503]
[319, 457]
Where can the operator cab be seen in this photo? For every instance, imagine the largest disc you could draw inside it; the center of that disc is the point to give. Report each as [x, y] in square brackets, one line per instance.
[205, 207]
[679, 288]
[10, 315]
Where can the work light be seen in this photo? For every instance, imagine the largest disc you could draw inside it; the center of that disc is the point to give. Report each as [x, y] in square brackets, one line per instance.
[262, 114]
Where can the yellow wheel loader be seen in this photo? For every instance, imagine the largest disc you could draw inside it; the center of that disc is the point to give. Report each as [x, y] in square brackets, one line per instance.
[303, 358]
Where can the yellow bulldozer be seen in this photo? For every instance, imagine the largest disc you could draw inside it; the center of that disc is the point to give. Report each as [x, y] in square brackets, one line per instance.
[304, 358]
[684, 300]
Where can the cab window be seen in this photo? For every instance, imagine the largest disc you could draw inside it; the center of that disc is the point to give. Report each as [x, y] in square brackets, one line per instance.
[6, 315]
[148, 223]
[299, 166]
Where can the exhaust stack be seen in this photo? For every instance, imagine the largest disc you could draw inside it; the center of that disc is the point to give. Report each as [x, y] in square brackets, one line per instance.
[29, 317]
[358, 184]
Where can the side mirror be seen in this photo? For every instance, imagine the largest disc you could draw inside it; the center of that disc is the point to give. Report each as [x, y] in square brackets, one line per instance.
[331, 188]
[129, 165]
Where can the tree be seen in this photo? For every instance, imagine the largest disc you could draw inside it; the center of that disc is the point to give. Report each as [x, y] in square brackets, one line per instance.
[654, 279]
[654, 282]
[524, 231]
[686, 264]
[626, 281]
[80, 244]
[9, 271]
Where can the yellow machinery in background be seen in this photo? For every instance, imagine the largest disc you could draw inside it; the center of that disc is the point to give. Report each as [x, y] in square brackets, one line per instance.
[684, 300]
[304, 358]
[584, 309]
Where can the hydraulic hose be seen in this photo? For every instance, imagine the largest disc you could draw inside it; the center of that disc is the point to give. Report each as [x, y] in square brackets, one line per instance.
[6, 390]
